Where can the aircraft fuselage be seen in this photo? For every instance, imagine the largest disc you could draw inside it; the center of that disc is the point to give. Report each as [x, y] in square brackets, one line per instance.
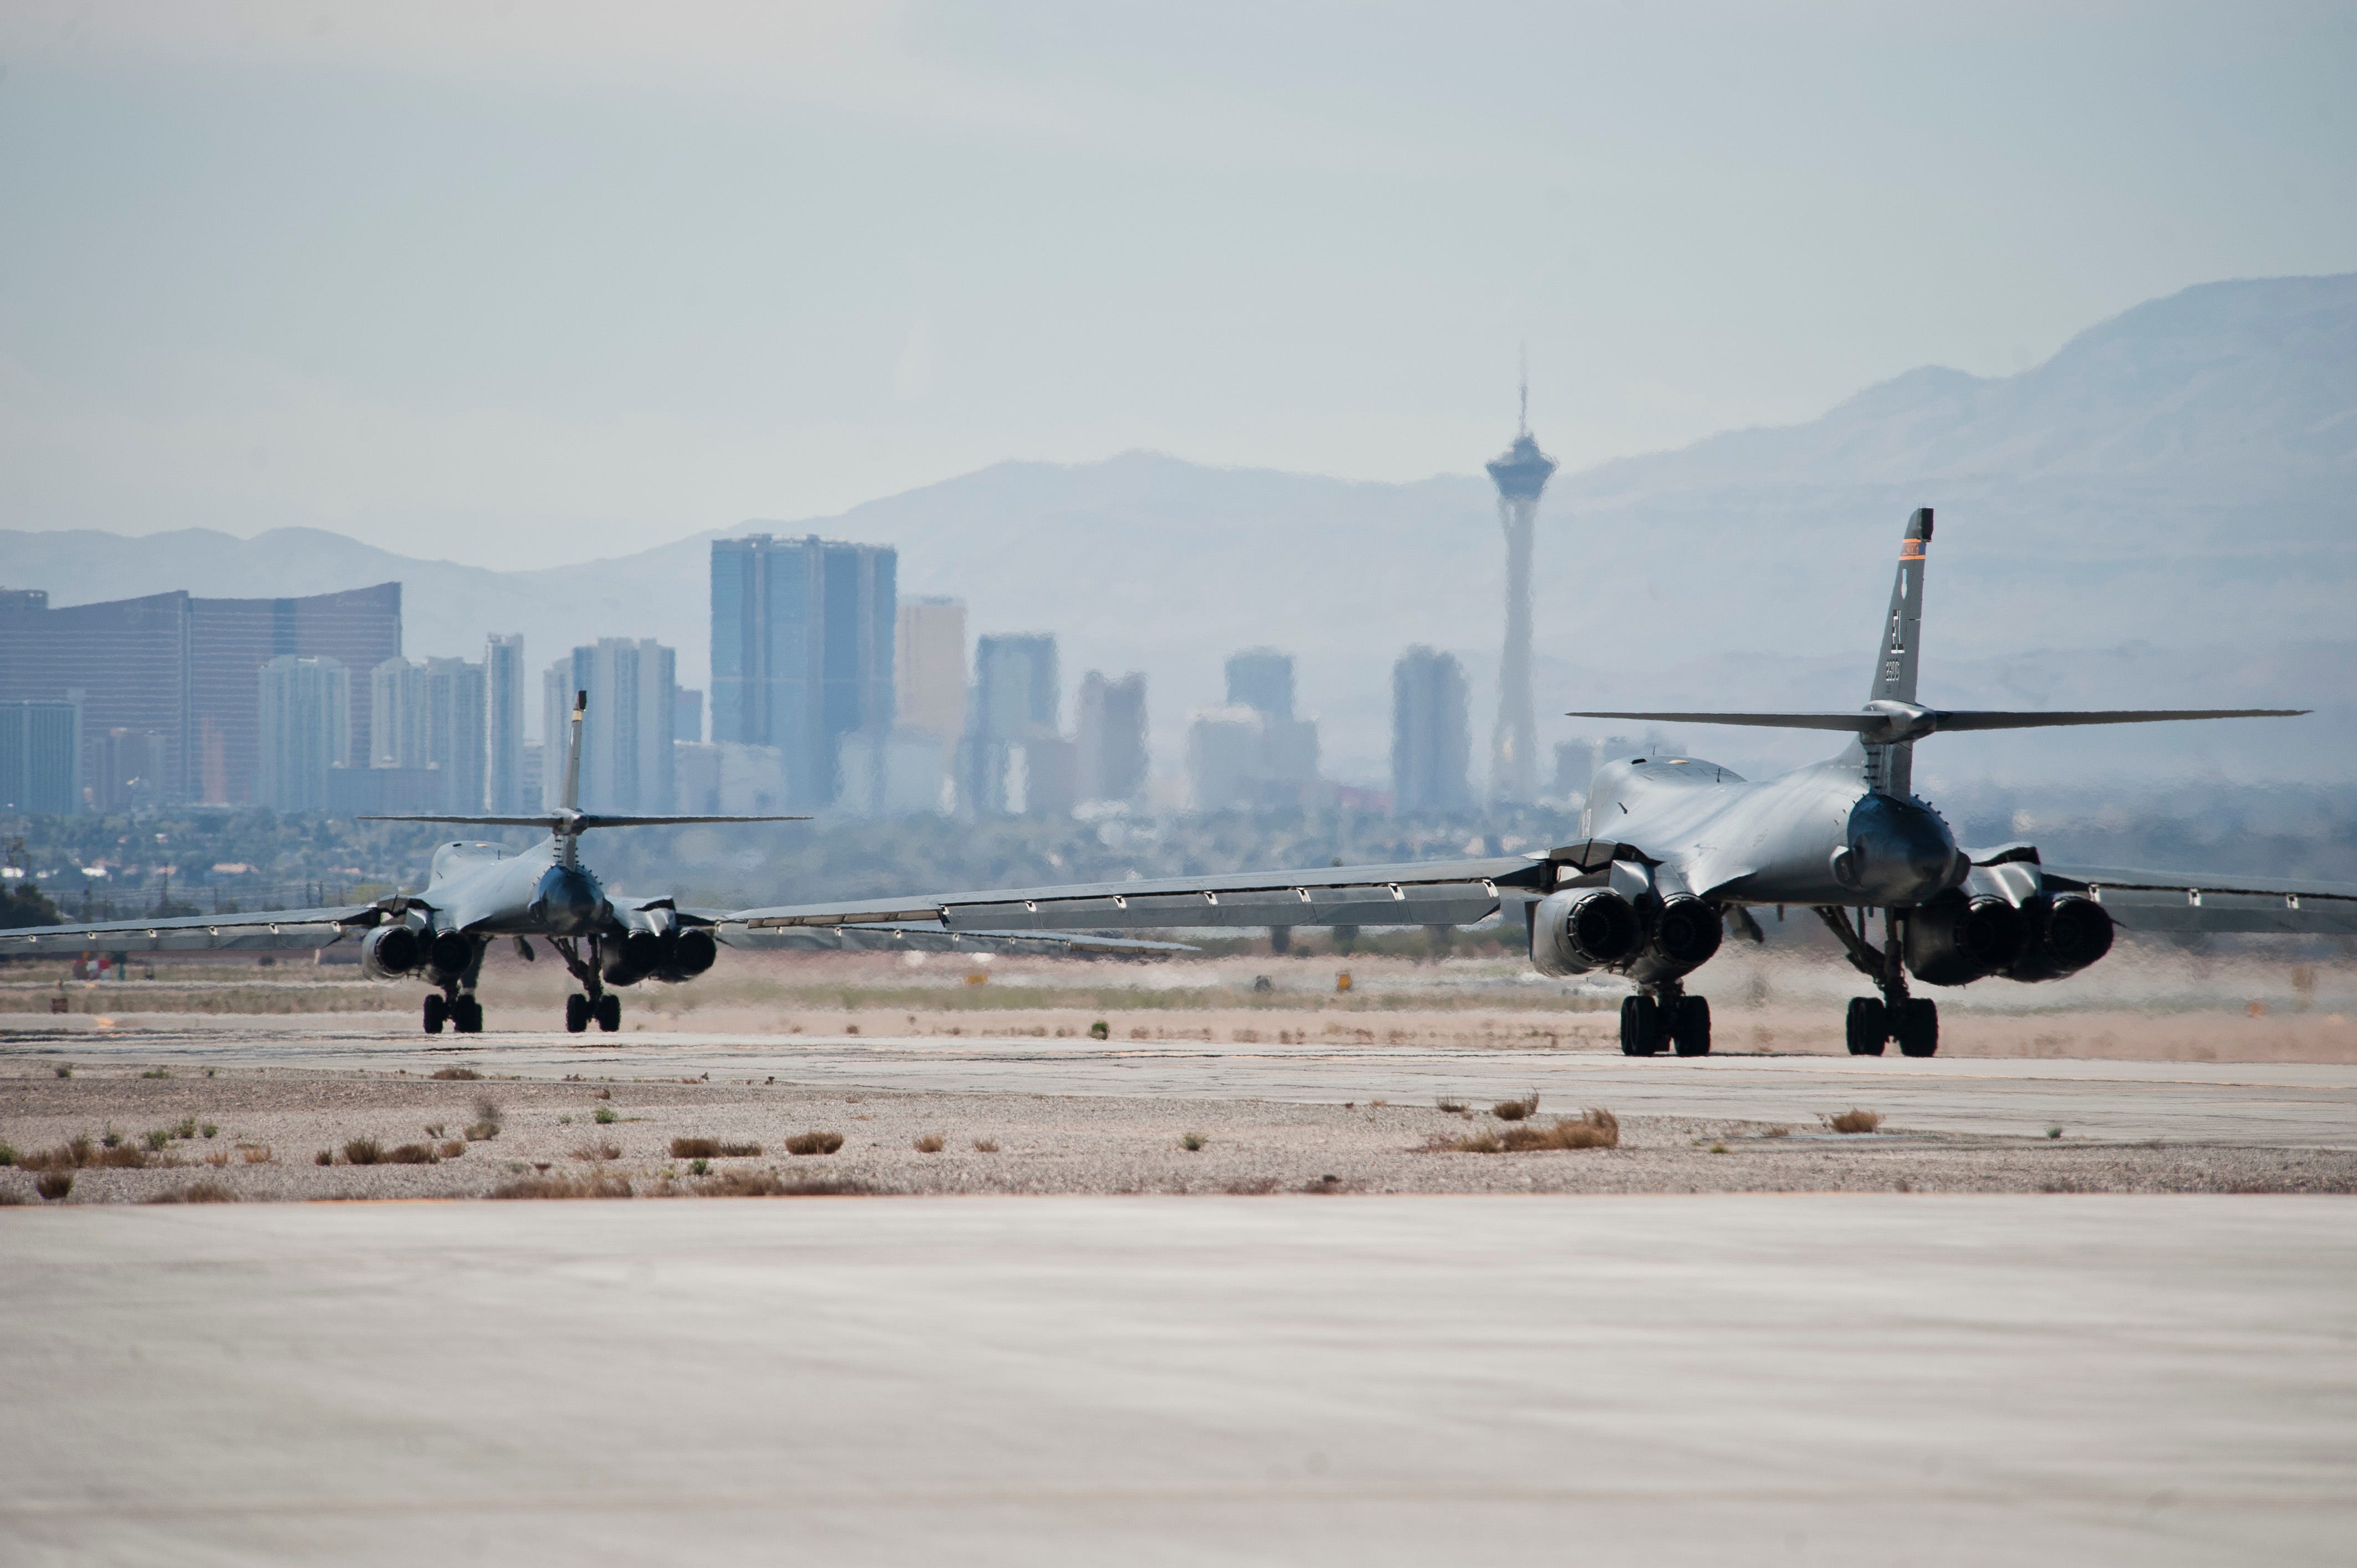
[1814, 837]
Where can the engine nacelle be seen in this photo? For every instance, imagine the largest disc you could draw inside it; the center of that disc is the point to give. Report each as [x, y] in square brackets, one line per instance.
[449, 957]
[1686, 933]
[1954, 941]
[636, 956]
[1582, 929]
[388, 952]
[687, 953]
[2066, 933]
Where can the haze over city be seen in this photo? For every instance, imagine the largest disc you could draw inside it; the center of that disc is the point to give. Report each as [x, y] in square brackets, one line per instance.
[517, 286]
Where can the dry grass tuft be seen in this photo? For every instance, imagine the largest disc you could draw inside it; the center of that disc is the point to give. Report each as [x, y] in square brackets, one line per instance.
[1454, 1107]
[82, 1150]
[482, 1131]
[769, 1183]
[592, 1184]
[986, 1145]
[363, 1151]
[695, 1148]
[53, 1185]
[602, 1152]
[1597, 1129]
[1190, 1142]
[197, 1192]
[1517, 1110]
[254, 1153]
[450, 1148]
[813, 1143]
[456, 1074]
[1855, 1121]
[410, 1155]
[931, 1144]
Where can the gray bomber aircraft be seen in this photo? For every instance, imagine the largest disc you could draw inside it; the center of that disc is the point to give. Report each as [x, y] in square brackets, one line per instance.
[478, 892]
[1675, 850]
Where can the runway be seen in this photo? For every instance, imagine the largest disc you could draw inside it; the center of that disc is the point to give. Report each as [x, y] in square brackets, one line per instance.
[2310, 1105]
[1376, 1381]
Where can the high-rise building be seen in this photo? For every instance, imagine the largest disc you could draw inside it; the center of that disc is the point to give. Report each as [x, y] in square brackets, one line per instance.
[929, 666]
[456, 735]
[1111, 763]
[1226, 749]
[1520, 474]
[506, 791]
[303, 712]
[40, 757]
[626, 741]
[802, 650]
[687, 715]
[1262, 679]
[126, 770]
[1431, 734]
[397, 716]
[187, 669]
[1013, 704]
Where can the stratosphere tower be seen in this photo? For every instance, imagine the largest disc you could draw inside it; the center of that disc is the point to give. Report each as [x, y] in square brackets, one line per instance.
[1520, 474]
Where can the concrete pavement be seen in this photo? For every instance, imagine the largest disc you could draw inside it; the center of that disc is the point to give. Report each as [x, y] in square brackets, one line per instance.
[1371, 1380]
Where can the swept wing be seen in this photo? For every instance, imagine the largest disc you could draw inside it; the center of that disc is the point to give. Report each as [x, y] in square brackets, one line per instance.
[1419, 893]
[263, 931]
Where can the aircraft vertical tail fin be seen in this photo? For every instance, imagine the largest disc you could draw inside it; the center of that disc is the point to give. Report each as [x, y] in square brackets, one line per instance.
[572, 801]
[1889, 766]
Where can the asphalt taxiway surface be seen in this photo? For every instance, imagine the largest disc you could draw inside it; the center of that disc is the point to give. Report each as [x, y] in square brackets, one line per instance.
[2309, 1105]
[1879, 1380]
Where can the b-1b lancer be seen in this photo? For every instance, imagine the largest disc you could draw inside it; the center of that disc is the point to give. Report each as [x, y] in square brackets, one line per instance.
[478, 892]
[1675, 850]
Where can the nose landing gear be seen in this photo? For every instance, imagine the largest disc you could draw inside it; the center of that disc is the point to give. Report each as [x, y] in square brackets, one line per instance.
[1913, 1021]
[599, 1005]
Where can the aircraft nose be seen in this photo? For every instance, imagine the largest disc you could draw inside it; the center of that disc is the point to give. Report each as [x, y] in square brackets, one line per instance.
[566, 902]
[1905, 854]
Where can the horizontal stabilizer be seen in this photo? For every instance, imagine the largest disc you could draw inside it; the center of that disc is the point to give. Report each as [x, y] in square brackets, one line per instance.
[570, 822]
[1896, 721]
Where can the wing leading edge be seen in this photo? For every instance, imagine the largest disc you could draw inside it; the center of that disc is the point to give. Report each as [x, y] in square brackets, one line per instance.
[1422, 893]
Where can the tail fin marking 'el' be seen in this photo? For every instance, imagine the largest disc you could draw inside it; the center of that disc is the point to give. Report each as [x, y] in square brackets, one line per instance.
[572, 801]
[1894, 674]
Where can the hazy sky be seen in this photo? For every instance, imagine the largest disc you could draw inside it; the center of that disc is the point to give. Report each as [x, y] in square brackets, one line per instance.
[522, 281]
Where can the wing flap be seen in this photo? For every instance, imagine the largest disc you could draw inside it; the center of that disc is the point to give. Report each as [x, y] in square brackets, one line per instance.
[262, 931]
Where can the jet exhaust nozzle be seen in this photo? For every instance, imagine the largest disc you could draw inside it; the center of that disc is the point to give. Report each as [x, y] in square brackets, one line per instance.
[1686, 933]
[1583, 929]
[687, 953]
[448, 956]
[1954, 941]
[389, 952]
[2066, 933]
[632, 959]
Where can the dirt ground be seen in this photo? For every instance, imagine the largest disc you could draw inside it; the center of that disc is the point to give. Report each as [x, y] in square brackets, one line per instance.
[259, 1134]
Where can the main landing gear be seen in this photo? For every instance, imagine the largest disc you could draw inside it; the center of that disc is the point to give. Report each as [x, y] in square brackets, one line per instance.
[459, 1010]
[1873, 1021]
[599, 1005]
[1662, 1014]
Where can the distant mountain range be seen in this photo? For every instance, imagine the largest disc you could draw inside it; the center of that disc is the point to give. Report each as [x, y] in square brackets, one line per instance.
[2165, 504]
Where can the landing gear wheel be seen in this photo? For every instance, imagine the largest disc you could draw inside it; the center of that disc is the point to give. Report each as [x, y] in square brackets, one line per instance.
[437, 1012]
[467, 1016]
[1917, 1027]
[577, 1013]
[1868, 1025]
[1692, 1031]
[609, 1013]
[1640, 1026]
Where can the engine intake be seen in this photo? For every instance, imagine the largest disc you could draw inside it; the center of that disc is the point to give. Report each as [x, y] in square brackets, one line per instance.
[388, 952]
[1954, 941]
[2066, 933]
[1582, 929]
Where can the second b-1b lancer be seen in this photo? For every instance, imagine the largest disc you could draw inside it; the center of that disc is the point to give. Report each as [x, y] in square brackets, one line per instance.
[1676, 849]
[477, 894]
